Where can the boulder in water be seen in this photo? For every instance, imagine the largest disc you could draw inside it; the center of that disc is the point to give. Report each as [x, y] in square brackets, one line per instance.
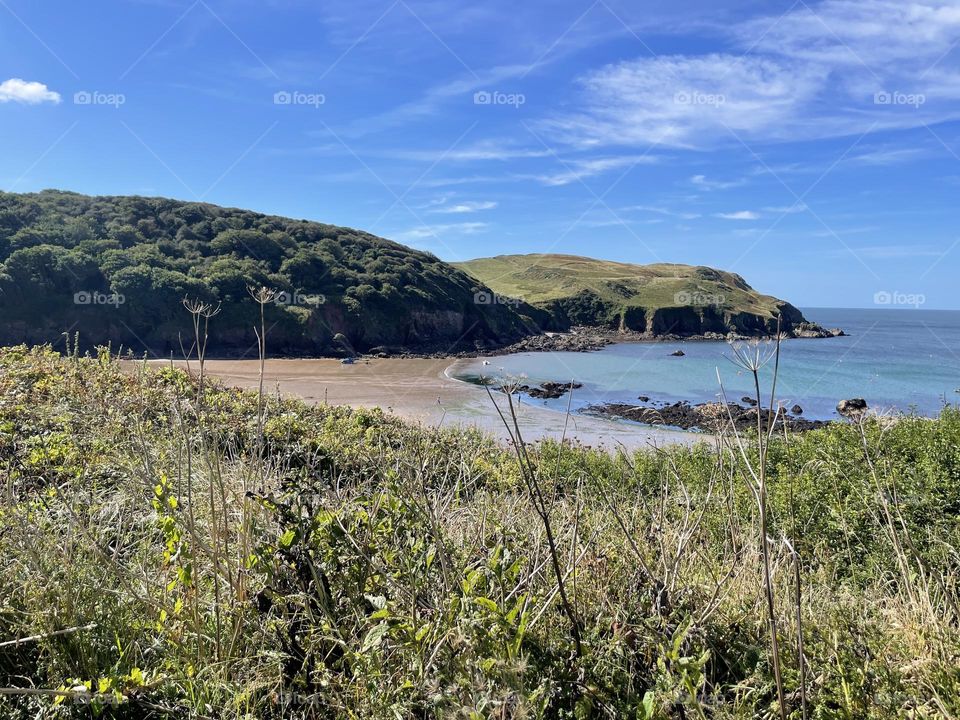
[854, 407]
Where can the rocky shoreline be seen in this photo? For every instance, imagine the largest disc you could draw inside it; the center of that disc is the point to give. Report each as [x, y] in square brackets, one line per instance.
[591, 339]
[705, 417]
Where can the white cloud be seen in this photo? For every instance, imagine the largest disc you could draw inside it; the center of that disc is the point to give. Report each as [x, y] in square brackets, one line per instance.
[664, 211]
[468, 206]
[687, 101]
[703, 182]
[797, 207]
[890, 156]
[581, 169]
[858, 33]
[479, 151]
[832, 69]
[739, 215]
[28, 93]
[422, 232]
[831, 233]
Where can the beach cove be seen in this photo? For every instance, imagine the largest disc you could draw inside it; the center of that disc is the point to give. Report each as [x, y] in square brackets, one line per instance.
[423, 391]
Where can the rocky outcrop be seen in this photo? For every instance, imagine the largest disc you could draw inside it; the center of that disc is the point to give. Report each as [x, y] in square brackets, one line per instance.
[852, 408]
[812, 330]
[708, 417]
[549, 390]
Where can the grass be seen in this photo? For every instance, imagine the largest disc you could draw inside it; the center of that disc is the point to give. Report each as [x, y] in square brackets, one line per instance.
[541, 278]
[172, 548]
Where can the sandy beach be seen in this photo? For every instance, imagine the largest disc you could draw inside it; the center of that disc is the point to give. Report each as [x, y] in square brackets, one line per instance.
[420, 390]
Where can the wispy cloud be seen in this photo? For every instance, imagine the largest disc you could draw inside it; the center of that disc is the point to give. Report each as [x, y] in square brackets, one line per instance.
[27, 93]
[460, 90]
[488, 150]
[469, 206]
[890, 156]
[888, 252]
[704, 183]
[580, 169]
[687, 101]
[830, 69]
[664, 211]
[797, 207]
[739, 215]
[841, 232]
[422, 232]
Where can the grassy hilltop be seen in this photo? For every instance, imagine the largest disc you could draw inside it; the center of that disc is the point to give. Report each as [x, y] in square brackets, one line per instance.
[173, 549]
[656, 299]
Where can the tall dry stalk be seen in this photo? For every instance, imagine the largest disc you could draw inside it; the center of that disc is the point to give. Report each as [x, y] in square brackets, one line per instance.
[263, 296]
[752, 360]
[200, 314]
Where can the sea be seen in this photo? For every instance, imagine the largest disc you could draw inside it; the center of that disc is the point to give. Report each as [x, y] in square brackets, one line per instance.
[898, 360]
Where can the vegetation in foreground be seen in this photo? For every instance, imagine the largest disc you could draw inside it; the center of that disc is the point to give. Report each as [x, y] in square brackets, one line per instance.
[171, 548]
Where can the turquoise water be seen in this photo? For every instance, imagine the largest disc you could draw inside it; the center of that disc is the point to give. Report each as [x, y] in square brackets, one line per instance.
[906, 360]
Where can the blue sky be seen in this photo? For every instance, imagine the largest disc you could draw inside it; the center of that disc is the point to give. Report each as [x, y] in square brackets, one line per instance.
[813, 147]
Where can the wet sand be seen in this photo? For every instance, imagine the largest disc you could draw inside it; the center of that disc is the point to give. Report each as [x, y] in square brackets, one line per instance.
[419, 390]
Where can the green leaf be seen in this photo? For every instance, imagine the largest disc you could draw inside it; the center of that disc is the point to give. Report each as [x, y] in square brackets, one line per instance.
[648, 707]
[375, 637]
[488, 604]
[286, 540]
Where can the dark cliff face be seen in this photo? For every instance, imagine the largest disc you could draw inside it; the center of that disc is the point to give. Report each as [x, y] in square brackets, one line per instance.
[687, 321]
[634, 319]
